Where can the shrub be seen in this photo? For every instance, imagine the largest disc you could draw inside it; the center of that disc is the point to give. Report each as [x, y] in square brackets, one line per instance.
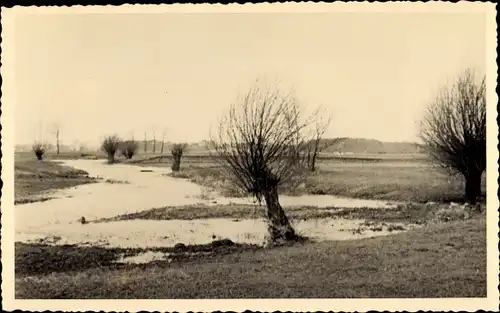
[110, 145]
[39, 149]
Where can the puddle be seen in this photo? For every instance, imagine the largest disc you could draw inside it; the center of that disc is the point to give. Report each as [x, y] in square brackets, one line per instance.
[152, 256]
[155, 234]
[146, 190]
[145, 257]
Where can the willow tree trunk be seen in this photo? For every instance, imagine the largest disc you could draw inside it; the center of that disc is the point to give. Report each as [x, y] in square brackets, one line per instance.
[312, 154]
[473, 186]
[111, 158]
[176, 165]
[39, 156]
[279, 226]
[312, 166]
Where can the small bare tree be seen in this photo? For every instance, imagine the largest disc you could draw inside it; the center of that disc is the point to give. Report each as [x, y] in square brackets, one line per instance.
[110, 145]
[154, 140]
[145, 143]
[129, 148]
[316, 144]
[75, 145]
[454, 131]
[82, 147]
[56, 130]
[177, 151]
[39, 148]
[261, 145]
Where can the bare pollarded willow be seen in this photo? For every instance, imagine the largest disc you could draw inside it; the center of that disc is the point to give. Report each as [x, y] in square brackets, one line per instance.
[177, 151]
[129, 148]
[39, 148]
[454, 131]
[317, 144]
[262, 146]
[110, 146]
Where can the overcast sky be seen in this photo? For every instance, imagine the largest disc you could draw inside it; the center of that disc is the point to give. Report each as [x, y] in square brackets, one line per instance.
[125, 73]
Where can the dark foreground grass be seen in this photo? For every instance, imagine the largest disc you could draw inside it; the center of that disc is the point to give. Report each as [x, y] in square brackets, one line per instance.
[34, 179]
[439, 260]
[41, 259]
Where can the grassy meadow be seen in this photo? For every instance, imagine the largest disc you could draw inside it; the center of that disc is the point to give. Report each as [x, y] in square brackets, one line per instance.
[384, 177]
[446, 257]
[34, 180]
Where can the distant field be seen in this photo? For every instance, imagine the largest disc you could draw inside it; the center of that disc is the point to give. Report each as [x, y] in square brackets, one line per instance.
[380, 157]
[328, 160]
[410, 179]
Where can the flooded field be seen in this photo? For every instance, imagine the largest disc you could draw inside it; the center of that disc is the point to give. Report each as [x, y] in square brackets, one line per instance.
[151, 234]
[145, 188]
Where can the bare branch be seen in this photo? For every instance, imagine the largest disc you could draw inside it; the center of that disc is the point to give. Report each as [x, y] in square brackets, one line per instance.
[261, 140]
[315, 143]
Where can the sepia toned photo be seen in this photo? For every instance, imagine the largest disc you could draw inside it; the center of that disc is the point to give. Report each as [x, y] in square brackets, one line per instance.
[264, 157]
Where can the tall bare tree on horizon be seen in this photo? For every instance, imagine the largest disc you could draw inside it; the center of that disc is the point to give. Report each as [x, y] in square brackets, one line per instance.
[154, 140]
[317, 143]
[75, 144]
[162, 141]
[56, 127]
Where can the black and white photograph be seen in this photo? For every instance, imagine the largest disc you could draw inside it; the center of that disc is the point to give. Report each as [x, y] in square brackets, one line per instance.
[293, 156]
